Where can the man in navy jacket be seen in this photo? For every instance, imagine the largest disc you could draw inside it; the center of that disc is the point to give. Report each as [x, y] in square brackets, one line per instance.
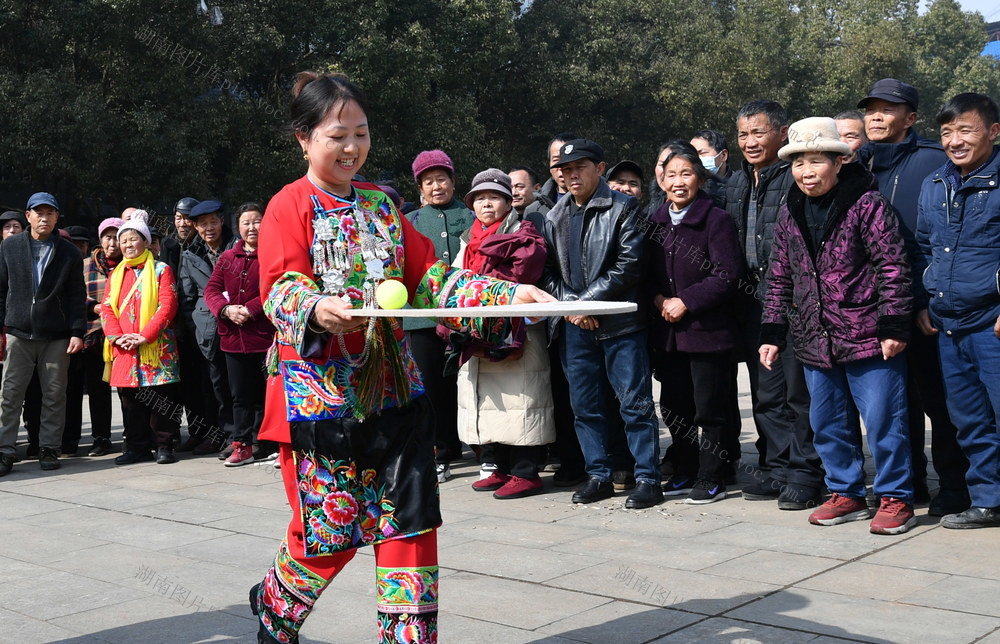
[43, 307]
[958, 231]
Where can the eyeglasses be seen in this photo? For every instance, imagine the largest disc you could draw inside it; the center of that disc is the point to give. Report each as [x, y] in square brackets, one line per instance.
[757, 134]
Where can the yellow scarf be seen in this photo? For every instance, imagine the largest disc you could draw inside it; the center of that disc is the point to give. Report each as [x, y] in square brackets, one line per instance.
[148, 294]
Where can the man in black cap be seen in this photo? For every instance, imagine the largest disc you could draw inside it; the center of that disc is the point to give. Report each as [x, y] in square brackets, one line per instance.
[901, 160]
[594, 254]
[42, 307]
[626, 177]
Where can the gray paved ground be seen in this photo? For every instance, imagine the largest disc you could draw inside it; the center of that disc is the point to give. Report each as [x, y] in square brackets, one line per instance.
[148, 553]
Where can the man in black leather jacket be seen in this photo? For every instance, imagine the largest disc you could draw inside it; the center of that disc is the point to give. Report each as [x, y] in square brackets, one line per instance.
[595, 254]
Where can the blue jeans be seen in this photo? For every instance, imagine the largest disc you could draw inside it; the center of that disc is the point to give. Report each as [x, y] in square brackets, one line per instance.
[624, 363]
[970, 364]
[879, 389]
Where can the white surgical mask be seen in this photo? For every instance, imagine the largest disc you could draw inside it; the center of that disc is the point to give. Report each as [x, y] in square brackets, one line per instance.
[709, 162]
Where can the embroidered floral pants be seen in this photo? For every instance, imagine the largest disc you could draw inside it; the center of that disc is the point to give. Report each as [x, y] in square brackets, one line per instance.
[406, 577]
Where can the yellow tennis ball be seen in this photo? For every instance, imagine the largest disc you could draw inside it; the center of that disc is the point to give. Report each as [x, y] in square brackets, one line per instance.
[391, 294]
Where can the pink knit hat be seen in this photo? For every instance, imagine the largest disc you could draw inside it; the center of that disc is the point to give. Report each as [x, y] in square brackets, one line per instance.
[431, 159]
[110, 222]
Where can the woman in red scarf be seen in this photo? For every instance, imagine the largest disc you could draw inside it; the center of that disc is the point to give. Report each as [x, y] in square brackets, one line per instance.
[504, 398]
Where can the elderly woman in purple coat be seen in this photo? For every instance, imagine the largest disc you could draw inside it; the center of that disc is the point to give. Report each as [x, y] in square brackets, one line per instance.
[694, 260]
[839, 277]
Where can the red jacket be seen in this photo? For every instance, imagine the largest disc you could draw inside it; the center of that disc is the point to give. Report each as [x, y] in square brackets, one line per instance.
[236, 280]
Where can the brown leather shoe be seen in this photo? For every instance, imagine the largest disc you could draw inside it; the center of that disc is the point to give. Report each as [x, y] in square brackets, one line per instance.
[207, 446]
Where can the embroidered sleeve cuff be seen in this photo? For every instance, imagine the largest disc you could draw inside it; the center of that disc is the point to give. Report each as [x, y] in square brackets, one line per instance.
[893, 327]
[776, 334]
[289, 305]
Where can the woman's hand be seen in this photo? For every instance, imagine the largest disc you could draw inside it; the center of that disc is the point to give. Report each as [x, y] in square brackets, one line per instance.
[768, 354]
[891, 348]
[237, 314]
[334, 315]
[130, 341]
[673, 309]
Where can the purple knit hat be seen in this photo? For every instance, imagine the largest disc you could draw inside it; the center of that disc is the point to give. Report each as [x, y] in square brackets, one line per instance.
[431, 159]
[110, 222]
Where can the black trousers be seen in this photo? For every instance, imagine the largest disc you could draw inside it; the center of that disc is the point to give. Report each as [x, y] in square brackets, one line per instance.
[780, 410]
[247, 383]
[522, 461]
[567, 445]
[75, 385]
[925, 395]
[146, 411]
[694, 394]
[195, 390]
[219, 375]
[98, 392]
[441, 390]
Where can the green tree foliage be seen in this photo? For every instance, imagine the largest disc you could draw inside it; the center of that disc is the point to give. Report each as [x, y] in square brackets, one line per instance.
[117, 102]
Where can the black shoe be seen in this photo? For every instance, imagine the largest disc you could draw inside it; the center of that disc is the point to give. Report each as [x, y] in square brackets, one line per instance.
[226, 452]
[706, 492]
[48, 459]
[623, 480]
[165, 456]
[568, 477]
[32, 451]
[594, 490]
[192, 442]
[264, 452]
[128, 457]
[798, 497]
[646, 495]
[69, 450]
[678, 485]
[921, 494]
[949, 501]
[6, 464]
[102, 446]
[973, 518]
[767, 490]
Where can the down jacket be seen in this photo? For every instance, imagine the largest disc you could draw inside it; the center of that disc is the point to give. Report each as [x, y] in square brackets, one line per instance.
[958, 231]
[843, 298]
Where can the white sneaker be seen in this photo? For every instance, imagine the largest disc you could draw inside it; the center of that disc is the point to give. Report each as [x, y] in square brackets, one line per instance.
[443, 472]
[487, 470]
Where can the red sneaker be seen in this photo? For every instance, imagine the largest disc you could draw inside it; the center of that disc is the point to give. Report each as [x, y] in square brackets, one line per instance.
[242, 455]
[893, 517]
[517, 488]
[494, 481]
[840, 509]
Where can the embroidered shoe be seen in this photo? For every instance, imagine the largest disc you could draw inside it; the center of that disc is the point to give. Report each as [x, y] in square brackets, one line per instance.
[518, 488]
[706, 492]
[840, 509]
[242, 455]
[893, 517]
[677, 485]
[494, 481]
[443, 472]
[486, 469]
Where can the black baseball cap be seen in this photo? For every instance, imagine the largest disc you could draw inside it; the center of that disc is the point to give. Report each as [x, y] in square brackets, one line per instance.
[631, 166]
[892, 90]
[579, 149]
[78, 233]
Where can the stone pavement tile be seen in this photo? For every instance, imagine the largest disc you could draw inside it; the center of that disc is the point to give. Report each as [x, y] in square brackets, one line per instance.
[239, 550]
[122, 527]
[15, 627]
[961, 594]
[209, 585]
[159, 620]
[720, 630]
[26, 542]
[11, 569]
[954, 552]
[620, 622]
[58, 487]
[845, 541]
[513, 603]
[16, 505]
[658, 522]
[269, 496]
[515, 532]
[865, 619]
[343, 617]
[992, 638]
[780, 568]
[114, 497]
[688, 554]
[543, 508]
[861, 579]
[261, 523]
[158, 482]
[58, 593]
[656, 585]
[196, 511]
[114, 562]
[514, 562]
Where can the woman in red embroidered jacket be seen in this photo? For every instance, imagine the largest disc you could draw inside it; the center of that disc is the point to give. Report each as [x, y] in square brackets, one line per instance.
[344, 395]
[140, 302]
